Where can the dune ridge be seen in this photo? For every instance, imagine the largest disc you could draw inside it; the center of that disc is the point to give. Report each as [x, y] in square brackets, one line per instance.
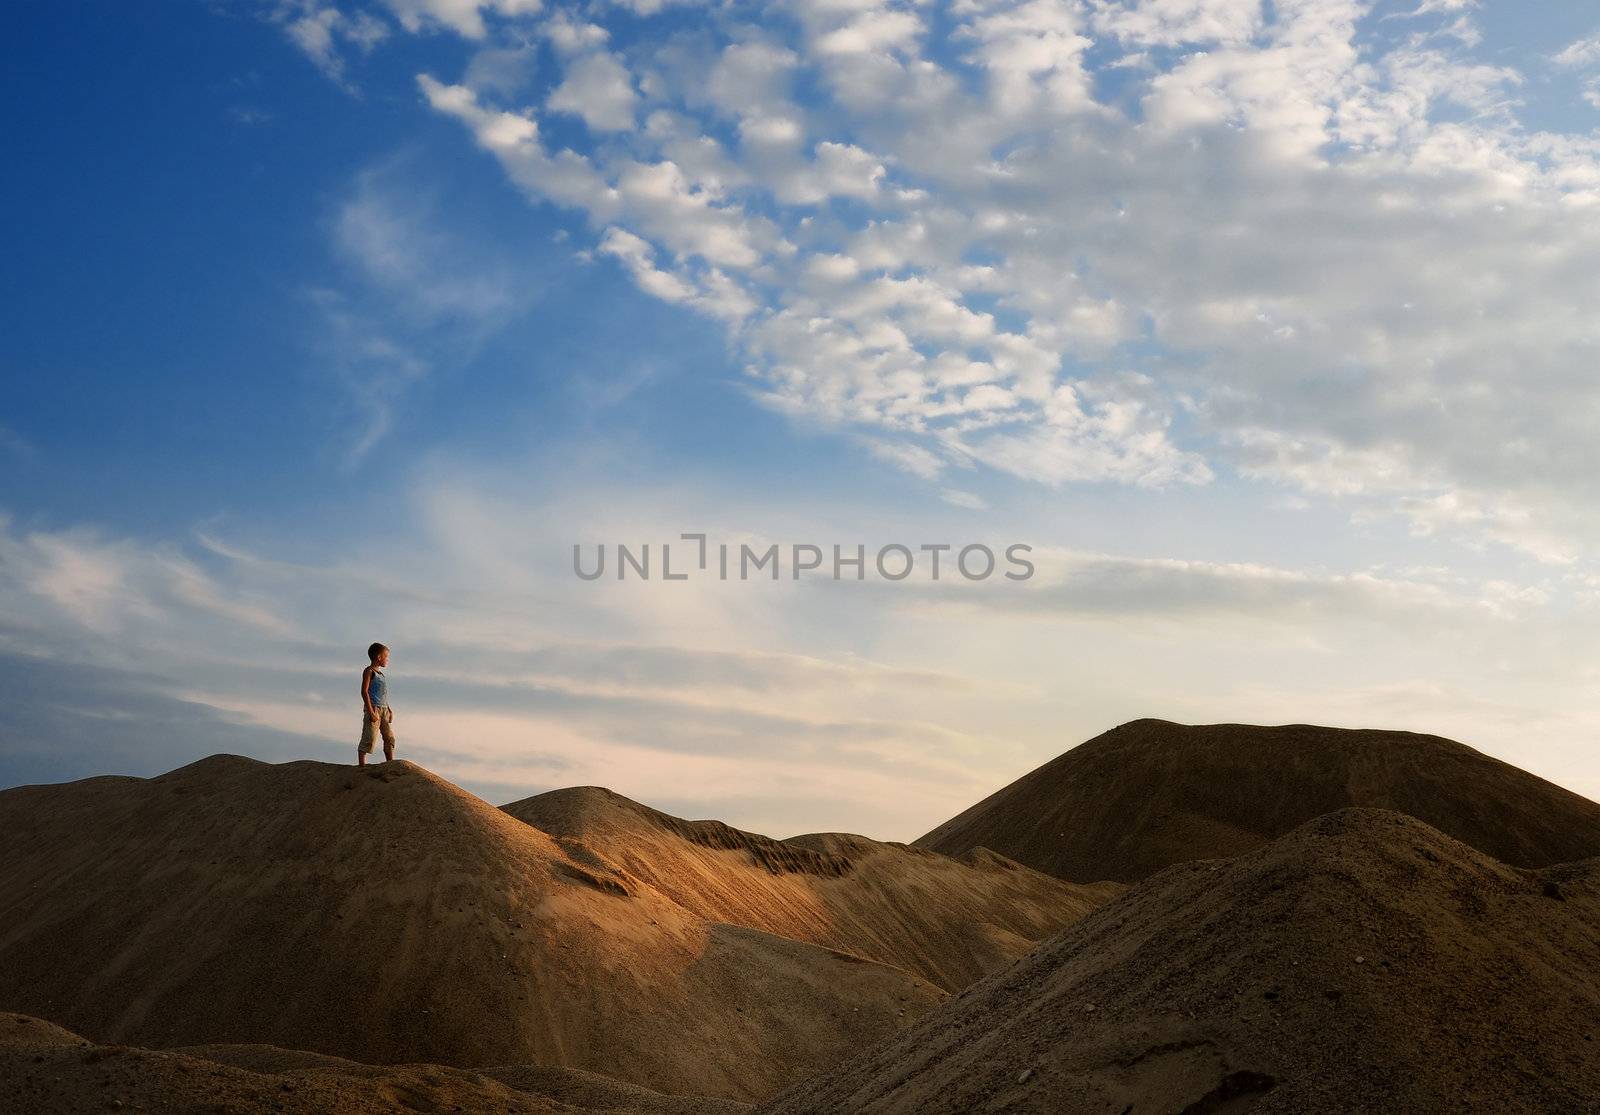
[1152, 793]
[301, 934]
[386, 916]
[948, 921]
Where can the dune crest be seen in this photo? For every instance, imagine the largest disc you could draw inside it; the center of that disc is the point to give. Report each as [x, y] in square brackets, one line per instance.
[1151, 793]
[947, 921]
[385, 915]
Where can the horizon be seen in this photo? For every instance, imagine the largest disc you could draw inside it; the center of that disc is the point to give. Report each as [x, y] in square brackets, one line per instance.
[792, 834]
[1266, 328]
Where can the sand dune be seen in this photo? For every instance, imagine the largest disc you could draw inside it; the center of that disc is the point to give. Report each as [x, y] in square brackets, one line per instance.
[45, 1069]
[1152, 793]
[308, 937]
[1363, 962]
[950, 922]
[387, 916]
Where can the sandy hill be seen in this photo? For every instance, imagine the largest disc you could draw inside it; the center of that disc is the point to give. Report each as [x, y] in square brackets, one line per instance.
[948, 921]
[386, 916]
[1364, 962]
[1152, 793]
[45, 1069]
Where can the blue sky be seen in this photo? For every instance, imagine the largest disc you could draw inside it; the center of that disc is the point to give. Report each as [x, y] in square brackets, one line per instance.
[1267, 326]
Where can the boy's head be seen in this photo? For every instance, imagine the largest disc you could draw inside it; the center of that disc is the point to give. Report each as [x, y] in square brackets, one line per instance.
[379, 654]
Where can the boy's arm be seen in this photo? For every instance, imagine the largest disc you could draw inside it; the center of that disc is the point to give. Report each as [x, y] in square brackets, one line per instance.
[366, 693]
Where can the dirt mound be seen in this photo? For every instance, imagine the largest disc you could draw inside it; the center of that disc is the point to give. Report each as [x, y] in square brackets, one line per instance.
[949, 921]
[45, 1069]
[1363, 962]
[1152, 793]
[386, 916]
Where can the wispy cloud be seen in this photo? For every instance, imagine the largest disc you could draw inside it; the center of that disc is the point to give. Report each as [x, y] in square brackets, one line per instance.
[326, 34]
[1579, 53]
[419, 289]
[723, 698]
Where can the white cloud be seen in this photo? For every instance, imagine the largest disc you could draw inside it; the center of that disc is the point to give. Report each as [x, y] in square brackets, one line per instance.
[597, 88]
[1579, 53]
[465, 17]
[1145, 23]
[1443, 7]
[752, 79]
[638, 257]
[908, 457]
[320, 29]
[874, 30]
[572, 36]
[1293, 234]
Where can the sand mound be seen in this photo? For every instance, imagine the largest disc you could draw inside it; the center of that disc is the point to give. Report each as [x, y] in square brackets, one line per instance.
[948, 921]
[1364, 962]
[1152, 793]
[387, 916]
[45, 1069]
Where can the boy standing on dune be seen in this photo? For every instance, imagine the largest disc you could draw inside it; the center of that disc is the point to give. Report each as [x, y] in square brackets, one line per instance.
[379, 718]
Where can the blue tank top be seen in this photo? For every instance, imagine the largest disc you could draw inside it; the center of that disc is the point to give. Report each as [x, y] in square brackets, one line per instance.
[378, 690]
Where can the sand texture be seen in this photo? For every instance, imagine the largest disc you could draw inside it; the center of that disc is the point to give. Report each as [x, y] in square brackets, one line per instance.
[386, 916]
[45, 1070]
[1364, 962]
[1300, 920]
[949, 922]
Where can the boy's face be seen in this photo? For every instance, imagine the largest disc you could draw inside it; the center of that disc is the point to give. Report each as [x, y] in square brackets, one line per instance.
[383, 657]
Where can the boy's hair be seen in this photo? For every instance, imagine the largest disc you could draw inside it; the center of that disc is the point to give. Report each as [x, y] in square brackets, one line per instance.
[374, 650]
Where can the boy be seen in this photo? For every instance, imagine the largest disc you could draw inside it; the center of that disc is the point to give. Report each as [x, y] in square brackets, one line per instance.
[375, 697]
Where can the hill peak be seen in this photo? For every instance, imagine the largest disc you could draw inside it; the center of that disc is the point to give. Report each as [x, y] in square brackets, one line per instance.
[1150, 793]
[384, 914]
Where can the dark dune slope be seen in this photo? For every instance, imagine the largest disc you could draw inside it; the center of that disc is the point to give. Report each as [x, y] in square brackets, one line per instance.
[1364, 962]
[1152, 793]
[45, 1070]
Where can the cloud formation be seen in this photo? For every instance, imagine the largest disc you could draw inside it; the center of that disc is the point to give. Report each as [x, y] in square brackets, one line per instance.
[749, 702]
[1105, 240]
[326, 34]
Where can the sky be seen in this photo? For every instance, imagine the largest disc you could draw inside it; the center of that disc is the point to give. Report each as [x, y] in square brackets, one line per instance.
[1267, 326]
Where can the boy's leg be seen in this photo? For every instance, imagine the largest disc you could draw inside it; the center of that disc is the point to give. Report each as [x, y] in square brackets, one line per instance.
[386, 725]
[364, 748]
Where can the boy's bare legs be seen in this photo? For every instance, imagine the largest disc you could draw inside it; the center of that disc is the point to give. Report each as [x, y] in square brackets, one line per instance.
[361, 758]
[388, 752]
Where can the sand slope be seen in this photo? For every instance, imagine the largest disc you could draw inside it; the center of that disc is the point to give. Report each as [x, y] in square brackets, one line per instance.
[1364, 962]
[948, 921]
[45, 1069]
[387, 916]
[1152, 793]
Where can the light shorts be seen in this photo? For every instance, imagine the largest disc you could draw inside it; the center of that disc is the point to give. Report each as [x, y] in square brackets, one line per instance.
[371, 729]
